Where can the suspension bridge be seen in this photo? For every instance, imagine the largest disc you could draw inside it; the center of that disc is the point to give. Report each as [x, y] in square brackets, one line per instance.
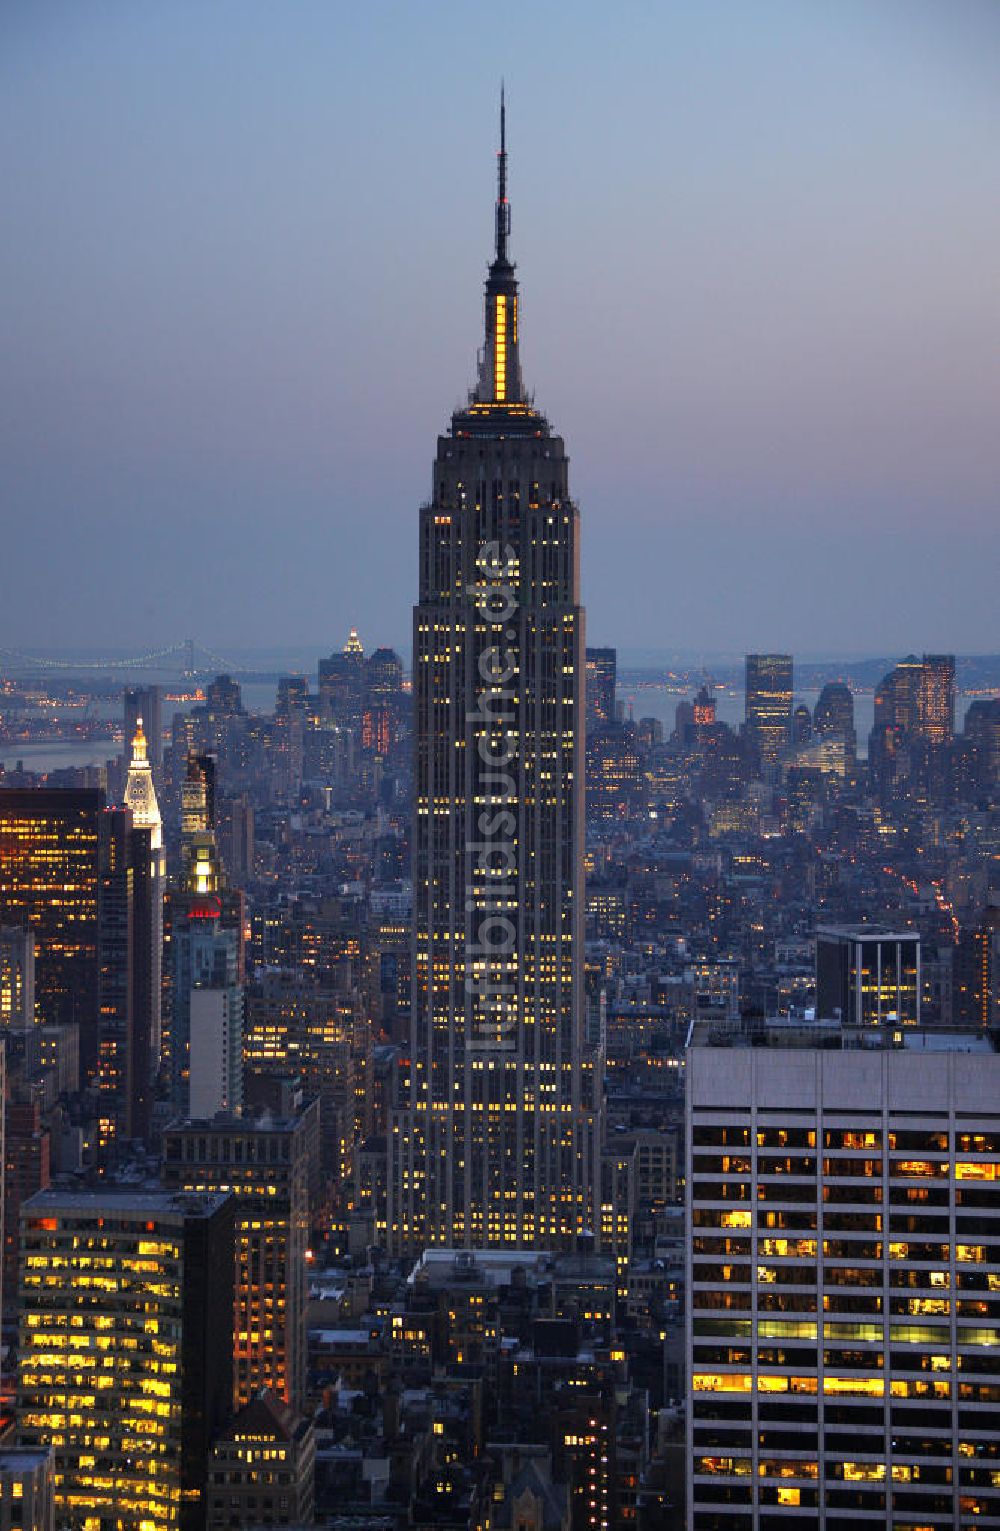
[186, 658]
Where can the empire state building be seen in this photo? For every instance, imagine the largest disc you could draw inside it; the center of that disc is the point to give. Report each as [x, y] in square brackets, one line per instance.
[495, 1137]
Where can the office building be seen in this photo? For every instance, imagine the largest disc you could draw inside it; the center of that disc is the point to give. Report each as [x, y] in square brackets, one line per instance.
[216, 1020]
[205, 933]
[125, 1350]
[894, 728]
[844, 1348]
[223, 697]
[936, 700]
[834, 715]
[268, 1164]
[495, 1139]
[27, 1489]
[703, 712]
[983, 1003]
[79, 878]
[769, 705]
[297, 1030]
[867, 975]
[49, 882]
[26, 1171]
[262, 1469]
[614, 774]
[600, 683]
[384, 677]
[17, 977]
[199, 863]
[205, 956]
[129, 961]
[982, 742]
[236, 839]
[342, 683]
[4, 1206]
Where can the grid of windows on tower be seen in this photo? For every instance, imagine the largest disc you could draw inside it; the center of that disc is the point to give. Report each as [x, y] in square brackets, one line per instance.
[844, 1345]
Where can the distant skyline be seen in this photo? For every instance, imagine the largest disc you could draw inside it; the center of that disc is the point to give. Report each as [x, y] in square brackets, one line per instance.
[241, 287]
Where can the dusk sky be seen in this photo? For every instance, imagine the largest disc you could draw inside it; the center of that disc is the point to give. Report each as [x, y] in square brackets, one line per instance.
[241, 291]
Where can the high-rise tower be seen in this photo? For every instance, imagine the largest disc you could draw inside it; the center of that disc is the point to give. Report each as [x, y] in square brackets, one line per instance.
[494, 1141]
[769, 704]
[140, 796]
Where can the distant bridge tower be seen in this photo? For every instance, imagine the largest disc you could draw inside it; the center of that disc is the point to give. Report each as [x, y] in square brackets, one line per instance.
[189, 658]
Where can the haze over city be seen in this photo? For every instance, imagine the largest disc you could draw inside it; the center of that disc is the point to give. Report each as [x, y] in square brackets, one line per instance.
[242, 292]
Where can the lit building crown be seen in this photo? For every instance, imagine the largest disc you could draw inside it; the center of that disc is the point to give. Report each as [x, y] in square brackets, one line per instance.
[499, 387]
[140, 793]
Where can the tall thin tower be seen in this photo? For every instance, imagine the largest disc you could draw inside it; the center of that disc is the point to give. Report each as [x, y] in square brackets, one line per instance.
[140, 796]
[496, 1137]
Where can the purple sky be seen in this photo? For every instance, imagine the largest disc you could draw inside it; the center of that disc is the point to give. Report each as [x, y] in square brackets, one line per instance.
[240, 293]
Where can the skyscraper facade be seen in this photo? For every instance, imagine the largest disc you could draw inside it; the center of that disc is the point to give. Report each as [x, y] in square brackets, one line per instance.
[49, 882]
[17, 976]
[769, 704]
[125, 1351]
[128, 960]
[494, 1141]
[205, 945]
[936, 700]
[843, 1342]
[267, 1164]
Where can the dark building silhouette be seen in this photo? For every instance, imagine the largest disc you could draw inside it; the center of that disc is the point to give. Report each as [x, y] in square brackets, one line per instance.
[834, 714]
[129, 978]
[895, 725]
[801, 724]
[982, 742]
[27, 1166]
[602, 676]
[223, 697]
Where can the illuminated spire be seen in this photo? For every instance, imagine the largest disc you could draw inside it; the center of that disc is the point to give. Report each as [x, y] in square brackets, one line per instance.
[140, 794]
[503, 206]
[499, 366]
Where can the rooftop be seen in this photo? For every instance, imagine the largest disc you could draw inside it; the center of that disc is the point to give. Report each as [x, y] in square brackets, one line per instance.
[112, 1201]
[834, 1035]
[866, 933]
[20, 1459]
